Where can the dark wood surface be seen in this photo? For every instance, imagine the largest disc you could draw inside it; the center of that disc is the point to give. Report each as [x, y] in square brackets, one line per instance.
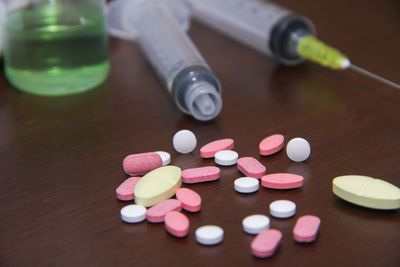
[61, 157]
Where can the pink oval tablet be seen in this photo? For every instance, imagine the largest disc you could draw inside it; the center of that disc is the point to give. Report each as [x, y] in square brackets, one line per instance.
[282, 181]
[156, 214]
[138, 164]
[251, 167]
[271, 144]
[191, 201]
[266, 243]
[199, 175]
[306, 228]
[125, 190]
[209, 150]
[176, 223]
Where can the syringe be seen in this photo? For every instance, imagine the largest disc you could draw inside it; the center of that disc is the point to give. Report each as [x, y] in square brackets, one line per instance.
[274, 31]
[159, 30]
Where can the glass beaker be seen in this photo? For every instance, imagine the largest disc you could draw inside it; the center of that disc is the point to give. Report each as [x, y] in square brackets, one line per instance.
[55, 47]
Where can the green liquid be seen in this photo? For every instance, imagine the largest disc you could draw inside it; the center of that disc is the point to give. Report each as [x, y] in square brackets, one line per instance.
[56, 49]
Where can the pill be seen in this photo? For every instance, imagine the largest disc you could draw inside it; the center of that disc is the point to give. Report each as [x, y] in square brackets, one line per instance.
[209, 150]
[138, 164]
[125, 190]
[367, 192]
[246, 184]
[158, 185]
[251, 167]
[271, 144]
[191, 201]
[165, 157]
[266, 243]
[226, 157]
[282, 208]
[298, 149]
[133, 213]
[254, 224]
[209, 235]
[306, 228]
[176, 223]
[201, 174]
[156, 214]
[184, 141]
[282, 181]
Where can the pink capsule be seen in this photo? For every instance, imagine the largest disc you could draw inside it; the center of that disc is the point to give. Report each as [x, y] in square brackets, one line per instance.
[191, 201]
[282, 181]
[125, 190]
[209, 150]
[251, 167]
[266, 243]
[271, 144]
[306, 229]
[156, 214]
[201, 174]
[138, 164]
[177, 224]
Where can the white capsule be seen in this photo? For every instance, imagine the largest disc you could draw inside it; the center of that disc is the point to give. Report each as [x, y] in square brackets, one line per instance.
[184, 141]
[246, 184]
[254, 224]
[133, 213]
[165, 157]
[226, 157]
[298, 149]
[209, 235]
[282, 208]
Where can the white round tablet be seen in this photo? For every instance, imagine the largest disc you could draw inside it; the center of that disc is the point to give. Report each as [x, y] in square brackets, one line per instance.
[209, 235]
[226, 157]
[184, 141]
[246, 184]
[298, 149]
[165, 157]
[133, 213]
[254, 224]
[282, 208]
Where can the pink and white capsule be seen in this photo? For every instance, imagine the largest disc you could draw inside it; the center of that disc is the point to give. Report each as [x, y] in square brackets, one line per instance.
[156, 214]
[125, 190]
[251, 167]
[209, 150]
[201, 174]
[266, 243]
[271, 144]
[191, 201]
[177, 224]
[306, 228]
[282, 181]
[139, 164]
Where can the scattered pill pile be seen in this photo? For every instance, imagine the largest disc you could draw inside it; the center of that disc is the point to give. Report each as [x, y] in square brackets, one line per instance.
[153, 192]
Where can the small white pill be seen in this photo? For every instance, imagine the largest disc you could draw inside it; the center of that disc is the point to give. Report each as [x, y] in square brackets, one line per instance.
[209, 235]
[165, 157]
[254, 224]
[133, 213]
[226, 157]
[298, 149]
[246, 185]
[282, 208]
[184, 141]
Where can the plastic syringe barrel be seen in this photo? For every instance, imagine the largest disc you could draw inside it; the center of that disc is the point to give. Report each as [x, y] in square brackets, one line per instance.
[178, 63]
[262, 25]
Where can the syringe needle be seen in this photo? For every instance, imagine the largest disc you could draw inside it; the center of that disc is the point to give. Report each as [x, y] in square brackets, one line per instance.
[374, 76]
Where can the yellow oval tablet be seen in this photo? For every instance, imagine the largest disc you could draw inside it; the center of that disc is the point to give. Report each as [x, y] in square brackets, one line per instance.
[367, 192]
[158, 185]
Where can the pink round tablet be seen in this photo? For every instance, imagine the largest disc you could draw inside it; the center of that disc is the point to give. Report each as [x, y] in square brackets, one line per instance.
[138, 164]
[201, 174]
[156, 214]
[282, 181]
[251, 167]
[266, 243]
[125, 190]
[271, 144]
[209, 150]
[306, 228]
[191, 201]
[177, 224]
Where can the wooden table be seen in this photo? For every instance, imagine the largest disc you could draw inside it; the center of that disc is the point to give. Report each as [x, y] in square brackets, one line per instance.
[61, 157]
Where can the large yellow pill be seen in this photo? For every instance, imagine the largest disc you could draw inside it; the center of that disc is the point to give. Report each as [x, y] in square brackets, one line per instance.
[158, 185]
[367, 192]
